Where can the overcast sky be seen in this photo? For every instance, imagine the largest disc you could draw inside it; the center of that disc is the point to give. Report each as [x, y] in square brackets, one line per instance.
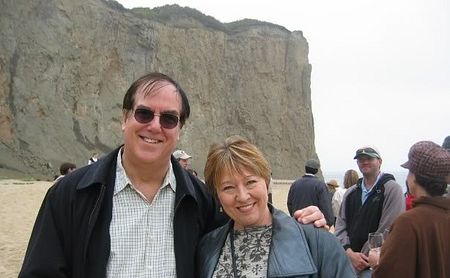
[380, 69]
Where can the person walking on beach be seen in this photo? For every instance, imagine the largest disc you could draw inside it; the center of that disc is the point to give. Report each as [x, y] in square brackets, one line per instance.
[369, 206]
[135, 212]
[309, 190]
[417, 245]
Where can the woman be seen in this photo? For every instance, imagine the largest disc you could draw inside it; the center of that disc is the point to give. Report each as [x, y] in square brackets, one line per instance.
[417, 245]
[350, 178]
[260, 241]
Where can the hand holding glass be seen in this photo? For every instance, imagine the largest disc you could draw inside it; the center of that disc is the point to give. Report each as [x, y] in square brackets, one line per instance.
[375, 241]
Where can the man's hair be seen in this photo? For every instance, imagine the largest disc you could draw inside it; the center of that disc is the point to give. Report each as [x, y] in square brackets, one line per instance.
[65, 167]
[310, 170]
[431, 186]
[233, 156]
[150, 83]
[350, 178]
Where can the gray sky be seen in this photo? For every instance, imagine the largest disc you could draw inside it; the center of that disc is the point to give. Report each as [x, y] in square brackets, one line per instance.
[380, 69]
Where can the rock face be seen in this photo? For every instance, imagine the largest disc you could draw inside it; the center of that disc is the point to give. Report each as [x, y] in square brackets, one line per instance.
[65, 66]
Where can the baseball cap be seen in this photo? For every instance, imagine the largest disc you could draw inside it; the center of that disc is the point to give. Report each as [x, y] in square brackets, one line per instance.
[368, 151]
[312, 163]
[180, 154]
[428, 159]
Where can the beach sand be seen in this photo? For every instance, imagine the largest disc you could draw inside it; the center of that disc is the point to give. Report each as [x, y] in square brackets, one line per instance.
[19, 204]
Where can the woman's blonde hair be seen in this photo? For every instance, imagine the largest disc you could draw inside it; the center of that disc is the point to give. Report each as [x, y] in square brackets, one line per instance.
[350, 178]
[233, 156]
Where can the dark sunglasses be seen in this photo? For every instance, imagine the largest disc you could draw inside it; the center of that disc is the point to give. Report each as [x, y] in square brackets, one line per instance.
[166, 120]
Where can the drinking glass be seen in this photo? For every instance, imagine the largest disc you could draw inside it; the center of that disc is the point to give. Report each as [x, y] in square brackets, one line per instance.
[375, 242]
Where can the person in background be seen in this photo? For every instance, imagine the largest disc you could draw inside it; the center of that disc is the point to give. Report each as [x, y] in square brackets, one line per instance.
[136, 212]
[446, 146]
[309, 190]
[446, 143]
[332, 186]
[182, 157]
[65, 169]
[418, 242]
[259, 240]
[369, 206]
[350, 178]
[93, 158]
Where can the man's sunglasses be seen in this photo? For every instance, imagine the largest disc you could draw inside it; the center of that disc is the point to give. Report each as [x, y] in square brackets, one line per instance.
[166, 120]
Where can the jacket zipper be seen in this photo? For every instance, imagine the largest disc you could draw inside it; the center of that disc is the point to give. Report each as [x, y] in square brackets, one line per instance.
[91, 222]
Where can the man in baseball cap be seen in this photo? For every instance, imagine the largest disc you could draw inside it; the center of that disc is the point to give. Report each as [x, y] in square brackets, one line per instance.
[182, 157]
[369, 206]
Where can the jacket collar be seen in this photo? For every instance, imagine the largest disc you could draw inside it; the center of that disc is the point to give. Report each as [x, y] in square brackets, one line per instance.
[98, 174]
[185, 187]
[289, 252]
[99, 171]
[440, 202]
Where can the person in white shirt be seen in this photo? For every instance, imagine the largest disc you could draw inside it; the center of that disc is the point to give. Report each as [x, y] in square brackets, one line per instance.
[350, 178]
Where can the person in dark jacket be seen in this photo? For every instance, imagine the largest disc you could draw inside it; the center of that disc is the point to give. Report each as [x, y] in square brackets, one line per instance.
[417, 245]
[135, 212]
[369, 206]
[309, 190]
[259, 240]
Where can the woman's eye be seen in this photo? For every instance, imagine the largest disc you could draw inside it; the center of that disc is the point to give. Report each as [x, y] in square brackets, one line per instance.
[252, 182]
[227, 188]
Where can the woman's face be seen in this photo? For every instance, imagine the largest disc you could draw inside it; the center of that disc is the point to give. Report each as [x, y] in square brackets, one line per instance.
[244, 199]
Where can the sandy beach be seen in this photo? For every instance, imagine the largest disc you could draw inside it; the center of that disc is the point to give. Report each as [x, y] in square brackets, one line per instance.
[19, 203]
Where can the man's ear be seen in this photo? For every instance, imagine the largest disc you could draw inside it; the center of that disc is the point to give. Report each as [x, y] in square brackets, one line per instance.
[124, 118]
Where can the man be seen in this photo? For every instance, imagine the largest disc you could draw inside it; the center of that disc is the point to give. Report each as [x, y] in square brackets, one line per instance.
[135, 212]
[182, 157]
[369, 206]
[310, 191]
[65, 169]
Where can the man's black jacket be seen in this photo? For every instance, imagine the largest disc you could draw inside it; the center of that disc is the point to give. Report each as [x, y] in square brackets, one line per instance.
[71, 235]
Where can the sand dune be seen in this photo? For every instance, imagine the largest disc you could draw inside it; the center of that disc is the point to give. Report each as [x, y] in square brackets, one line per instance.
[19, 205]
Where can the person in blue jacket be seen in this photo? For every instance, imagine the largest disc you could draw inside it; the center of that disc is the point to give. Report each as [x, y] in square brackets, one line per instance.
[259, 240]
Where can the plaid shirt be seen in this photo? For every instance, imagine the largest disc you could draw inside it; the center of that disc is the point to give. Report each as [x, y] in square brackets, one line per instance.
[142, 243]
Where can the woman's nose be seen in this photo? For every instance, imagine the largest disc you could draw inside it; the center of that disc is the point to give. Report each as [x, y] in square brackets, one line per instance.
[242, 193]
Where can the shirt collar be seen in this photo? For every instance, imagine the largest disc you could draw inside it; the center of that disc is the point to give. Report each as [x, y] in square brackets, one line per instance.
[363, 186]
[122, 179]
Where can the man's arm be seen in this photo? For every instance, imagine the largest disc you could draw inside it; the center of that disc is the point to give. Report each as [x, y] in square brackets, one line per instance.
[393, 206]
[44, 256]
[341, 227]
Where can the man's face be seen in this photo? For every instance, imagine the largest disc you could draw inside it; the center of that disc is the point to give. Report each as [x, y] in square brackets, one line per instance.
[150, 143]
[184, 163]
[369, 166]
